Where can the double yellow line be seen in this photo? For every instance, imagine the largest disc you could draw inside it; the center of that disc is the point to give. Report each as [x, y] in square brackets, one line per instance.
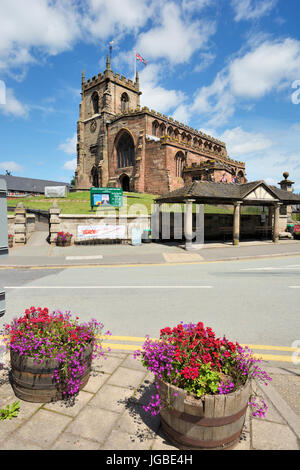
[255, 347]
[121, 343]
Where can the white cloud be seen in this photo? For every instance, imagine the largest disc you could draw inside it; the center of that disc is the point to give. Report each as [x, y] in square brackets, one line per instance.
[240, 142]
[251, 9]
[268, 67]
[12, 106]
[155, 96]
[104, 19]
[265, 68]
[35, 27]
[195, 5]
[11, 166]
[69, 146]
[174, 38]
[70, 164]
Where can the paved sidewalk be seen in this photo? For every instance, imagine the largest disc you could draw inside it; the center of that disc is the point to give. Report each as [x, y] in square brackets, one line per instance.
[39, 253]
[108, 414]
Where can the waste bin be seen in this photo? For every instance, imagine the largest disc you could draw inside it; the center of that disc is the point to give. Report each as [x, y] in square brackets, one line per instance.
[146, 236]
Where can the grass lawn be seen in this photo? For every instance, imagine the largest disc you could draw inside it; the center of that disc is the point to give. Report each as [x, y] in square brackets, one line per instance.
[79, 203]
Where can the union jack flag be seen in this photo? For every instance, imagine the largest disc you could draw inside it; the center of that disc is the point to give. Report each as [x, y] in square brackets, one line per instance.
[140, 58]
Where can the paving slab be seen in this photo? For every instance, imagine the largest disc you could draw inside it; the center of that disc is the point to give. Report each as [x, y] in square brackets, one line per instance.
[272, 436]
[70, 407]
[112, 398]
[68, 441]
[119, 440]
[92, 423]
[42, 429]
[127, 378]
[96, 380]
[138, 423]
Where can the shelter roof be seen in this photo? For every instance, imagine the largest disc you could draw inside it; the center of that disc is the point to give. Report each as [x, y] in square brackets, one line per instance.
[252, 193]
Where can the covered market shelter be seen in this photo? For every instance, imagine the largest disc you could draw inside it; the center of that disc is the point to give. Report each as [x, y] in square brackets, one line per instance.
[256, 193]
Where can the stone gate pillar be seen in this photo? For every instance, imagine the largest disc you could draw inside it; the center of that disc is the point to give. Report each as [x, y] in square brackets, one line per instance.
[20, 224]
[54, 222]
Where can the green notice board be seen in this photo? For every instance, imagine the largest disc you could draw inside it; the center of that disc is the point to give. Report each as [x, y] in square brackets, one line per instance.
[106, 197]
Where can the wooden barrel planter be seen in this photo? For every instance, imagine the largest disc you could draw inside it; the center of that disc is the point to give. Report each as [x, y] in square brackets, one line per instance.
[211, 422]
[34, 383]
[63, 242]
[10, 243]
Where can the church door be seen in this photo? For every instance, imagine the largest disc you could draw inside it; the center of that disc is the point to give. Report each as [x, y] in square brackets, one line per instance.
[125, 182]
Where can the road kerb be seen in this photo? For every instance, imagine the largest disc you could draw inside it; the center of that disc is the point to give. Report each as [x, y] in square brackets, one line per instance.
[282, 407]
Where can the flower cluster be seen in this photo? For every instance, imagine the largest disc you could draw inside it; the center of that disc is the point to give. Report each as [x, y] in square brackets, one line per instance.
[63, 236]
[10, 236]
[43, 335]
[191, 357]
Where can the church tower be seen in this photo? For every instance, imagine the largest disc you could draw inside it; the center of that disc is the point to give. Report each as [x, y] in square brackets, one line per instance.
[102, 98]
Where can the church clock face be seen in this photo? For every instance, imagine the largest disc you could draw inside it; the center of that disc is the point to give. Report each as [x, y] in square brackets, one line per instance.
[93, 125]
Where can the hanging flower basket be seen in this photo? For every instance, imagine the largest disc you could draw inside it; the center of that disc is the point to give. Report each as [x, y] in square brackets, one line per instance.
[63, 239]
[51, 354]
[203, 386]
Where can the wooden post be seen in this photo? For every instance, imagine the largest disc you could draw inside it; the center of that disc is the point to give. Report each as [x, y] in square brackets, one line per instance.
[236, 223]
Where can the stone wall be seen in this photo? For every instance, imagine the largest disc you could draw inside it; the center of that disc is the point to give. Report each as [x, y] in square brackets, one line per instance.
[71, 222]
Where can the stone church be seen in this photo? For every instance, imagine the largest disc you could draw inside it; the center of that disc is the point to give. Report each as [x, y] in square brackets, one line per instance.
[120, 144]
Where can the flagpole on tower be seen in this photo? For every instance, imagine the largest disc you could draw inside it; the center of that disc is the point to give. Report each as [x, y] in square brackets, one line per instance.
[134, 66]
[110, 49]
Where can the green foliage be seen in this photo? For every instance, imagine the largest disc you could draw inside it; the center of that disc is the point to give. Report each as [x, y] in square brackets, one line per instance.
[296, 216]
[207, 382]
[10, 412]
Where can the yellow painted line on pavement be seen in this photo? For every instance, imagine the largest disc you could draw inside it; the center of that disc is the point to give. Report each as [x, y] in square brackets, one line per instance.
[270, 348]
[264, 357]
[140, 339]
[251, 346]
[274, 357]
[129, 347]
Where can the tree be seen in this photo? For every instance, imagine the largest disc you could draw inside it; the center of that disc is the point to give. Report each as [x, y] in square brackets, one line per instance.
[72, 183]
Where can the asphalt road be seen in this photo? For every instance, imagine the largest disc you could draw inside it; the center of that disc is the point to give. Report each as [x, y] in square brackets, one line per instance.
[253, 302]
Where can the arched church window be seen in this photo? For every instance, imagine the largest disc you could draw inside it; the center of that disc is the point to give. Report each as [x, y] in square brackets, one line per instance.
[154, 128]
[124, 102]
[170, 131]
[125, 151]
[162, 130]
[179, 159]
[95, 103]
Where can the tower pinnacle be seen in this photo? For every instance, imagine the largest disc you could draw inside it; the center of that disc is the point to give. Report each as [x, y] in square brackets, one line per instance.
[108, 65]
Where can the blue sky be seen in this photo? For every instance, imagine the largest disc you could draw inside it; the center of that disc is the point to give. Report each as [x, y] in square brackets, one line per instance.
[230, 68]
